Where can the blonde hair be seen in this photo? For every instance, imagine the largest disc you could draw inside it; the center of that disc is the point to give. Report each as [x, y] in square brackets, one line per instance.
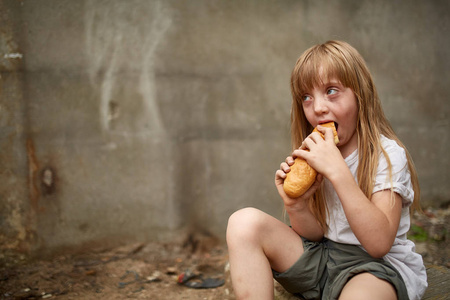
[341, 61]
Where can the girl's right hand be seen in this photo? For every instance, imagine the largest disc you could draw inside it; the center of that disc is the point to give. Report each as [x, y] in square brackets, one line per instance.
[280, 176]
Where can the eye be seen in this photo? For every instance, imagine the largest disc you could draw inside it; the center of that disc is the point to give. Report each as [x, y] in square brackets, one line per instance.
[331, 91]
[306, 98]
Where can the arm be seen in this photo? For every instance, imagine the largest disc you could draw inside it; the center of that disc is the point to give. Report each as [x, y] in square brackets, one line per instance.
[302, 220]
[373, 221]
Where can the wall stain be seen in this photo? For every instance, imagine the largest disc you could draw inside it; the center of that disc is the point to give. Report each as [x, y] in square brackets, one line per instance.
[33, 167]
[48, 181]
[108, 43]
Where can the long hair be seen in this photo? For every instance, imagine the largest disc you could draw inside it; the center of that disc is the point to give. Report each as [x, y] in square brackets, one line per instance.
[341, 61]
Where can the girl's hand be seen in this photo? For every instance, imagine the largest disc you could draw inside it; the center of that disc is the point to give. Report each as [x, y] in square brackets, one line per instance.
[280, 176]
[323, 155]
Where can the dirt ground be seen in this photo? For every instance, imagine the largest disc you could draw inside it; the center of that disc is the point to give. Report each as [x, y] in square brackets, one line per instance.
[151, 270]
[135, 271]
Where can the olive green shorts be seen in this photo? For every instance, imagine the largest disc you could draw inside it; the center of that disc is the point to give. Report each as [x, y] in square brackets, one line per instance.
[326, 266]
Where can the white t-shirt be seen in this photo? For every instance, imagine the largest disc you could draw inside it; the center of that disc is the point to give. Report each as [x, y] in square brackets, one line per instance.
[402, 254]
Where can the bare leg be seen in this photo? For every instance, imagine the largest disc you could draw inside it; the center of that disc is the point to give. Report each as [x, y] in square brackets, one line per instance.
[257, 243]
[368, 286]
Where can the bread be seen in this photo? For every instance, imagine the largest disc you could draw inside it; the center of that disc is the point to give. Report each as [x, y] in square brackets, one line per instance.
[302, 175]
[299, 179]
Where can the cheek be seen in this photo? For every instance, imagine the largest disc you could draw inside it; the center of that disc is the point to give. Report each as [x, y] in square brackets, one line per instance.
[309, 114]
[350, 119]
[354, 116]
[310, 119]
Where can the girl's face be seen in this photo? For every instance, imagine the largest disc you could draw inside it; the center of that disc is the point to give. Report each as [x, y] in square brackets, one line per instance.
[331, 101]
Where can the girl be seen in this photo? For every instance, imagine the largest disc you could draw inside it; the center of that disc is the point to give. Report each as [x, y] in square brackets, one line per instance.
[347, 238]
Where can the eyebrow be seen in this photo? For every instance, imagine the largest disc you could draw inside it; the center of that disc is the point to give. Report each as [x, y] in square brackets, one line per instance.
[332, 82]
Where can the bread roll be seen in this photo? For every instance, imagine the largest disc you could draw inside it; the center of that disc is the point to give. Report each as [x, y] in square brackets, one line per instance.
[299, 179]
[302, 175]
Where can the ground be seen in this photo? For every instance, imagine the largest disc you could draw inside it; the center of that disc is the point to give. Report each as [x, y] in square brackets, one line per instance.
[135, 271]
[150, 270]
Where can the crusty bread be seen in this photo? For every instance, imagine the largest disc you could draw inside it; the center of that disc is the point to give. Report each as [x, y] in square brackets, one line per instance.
[299, 179]
[302, 175]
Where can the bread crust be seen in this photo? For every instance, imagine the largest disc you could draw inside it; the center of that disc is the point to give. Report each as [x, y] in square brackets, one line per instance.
[302, 176]
[299, 179]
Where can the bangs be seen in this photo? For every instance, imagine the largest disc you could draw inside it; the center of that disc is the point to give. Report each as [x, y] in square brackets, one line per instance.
[319, 66]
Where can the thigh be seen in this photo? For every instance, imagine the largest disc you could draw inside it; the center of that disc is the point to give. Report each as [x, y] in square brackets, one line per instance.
[368, 286]
[281, 245]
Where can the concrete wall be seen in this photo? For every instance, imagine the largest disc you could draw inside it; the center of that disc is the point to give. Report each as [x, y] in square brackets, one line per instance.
[138, 119]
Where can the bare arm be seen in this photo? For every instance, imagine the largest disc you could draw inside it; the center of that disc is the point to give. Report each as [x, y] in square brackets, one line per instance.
[301, 218]
[373, 221]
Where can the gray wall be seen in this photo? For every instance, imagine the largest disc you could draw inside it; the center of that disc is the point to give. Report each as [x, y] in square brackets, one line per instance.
[125, 120]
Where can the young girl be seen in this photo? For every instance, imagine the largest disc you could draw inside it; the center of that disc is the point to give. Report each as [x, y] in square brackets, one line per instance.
[347, 238]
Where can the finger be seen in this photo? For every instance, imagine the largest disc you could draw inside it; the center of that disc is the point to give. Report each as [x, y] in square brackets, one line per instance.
[303, 146]
[280, 174]
[300, 153]
[307, 142]
[328, 134]
[316, 137]
[296, 153]
[321, 129]
[285, 167]
[290, 160]
[279, 178]
[311, 141]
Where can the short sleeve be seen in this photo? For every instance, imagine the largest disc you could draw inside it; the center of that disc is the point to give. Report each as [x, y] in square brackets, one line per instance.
[401, 178]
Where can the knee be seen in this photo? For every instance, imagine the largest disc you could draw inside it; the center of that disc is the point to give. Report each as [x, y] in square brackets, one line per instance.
[244, 224]
[367, 286]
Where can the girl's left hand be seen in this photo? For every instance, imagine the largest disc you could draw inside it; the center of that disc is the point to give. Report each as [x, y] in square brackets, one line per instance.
[323, 155]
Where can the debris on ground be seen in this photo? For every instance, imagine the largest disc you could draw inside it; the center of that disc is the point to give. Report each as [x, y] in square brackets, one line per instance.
[193, 268]
[147, 271]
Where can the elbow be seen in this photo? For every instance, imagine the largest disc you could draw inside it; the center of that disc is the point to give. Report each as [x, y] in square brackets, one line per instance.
[316, 238]
[379, 245]
[379, 251]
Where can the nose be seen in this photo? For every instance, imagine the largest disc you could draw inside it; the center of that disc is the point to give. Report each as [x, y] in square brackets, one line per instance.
[320, 105]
